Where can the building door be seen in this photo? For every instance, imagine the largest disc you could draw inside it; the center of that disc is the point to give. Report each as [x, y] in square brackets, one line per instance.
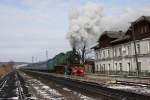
[129, 67]
[139, 65]
[120, 68]
[109, 70]
[104, 68]
[116, 68]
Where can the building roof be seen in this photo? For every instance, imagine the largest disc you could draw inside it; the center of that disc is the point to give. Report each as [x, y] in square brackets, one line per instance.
[95, 46]
[89, 61]
[121, 39]
[142, 18]
[110, 38]
[113, 34]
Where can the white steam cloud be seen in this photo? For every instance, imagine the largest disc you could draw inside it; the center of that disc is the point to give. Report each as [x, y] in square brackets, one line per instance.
[123, 20]
[88, 22]
[84, 24]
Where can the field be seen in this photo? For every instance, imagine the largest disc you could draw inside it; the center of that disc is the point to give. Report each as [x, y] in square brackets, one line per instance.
[5, 69]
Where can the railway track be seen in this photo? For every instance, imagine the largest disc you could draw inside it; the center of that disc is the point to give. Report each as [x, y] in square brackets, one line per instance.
[11, 87]
[4, 80]
[19, 88]
[133, 83]
[90, 87]
[3, 83]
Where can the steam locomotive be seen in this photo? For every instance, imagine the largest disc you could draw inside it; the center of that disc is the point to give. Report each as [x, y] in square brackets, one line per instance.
[61, 63]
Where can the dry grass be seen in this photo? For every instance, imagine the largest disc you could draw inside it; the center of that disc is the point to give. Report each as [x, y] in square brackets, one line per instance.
[5, 69]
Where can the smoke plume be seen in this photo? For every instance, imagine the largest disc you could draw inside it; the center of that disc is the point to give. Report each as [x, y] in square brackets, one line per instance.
[87, 23]
[84, 24]
[123, 20]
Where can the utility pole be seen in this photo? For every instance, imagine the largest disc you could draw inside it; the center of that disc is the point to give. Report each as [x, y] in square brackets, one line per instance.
[46, 54]
[32, 59]
[135, 49]
[35, 59]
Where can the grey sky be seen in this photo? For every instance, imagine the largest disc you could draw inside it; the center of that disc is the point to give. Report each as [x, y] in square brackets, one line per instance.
[29, 27]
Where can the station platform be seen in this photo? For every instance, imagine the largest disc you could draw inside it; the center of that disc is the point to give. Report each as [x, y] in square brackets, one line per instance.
[103, 79]
[100, 78]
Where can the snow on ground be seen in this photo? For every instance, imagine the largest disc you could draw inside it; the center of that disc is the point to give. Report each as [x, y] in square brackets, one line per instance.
[135, 89]
[12, 98]
[82, 97]
[42, 91]
[66, 89]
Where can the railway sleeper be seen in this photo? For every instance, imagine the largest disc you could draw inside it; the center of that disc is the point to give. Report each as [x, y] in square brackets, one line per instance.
[94, 88]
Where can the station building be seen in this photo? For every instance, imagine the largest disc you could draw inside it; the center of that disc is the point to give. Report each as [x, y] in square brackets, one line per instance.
[115, 52]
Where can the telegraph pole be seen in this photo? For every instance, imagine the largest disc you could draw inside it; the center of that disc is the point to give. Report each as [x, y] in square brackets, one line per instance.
[46, 54]
[135, 49]
[32, 59]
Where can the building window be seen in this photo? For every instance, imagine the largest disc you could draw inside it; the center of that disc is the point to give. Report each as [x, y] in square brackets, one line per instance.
[113, 69]
[142, 29]
[128, 50]
[109, 67]
[129, 66]
[116, 66]
[99, 54]
[139, 30]
[104, 54]
[120, 66]
[97, 67]
[103, 67]
[139, 65]
[138, 48]
[108, 53]
[148, 47]
[96, 54]
[115, 52]
[145, 28]
[120, 52]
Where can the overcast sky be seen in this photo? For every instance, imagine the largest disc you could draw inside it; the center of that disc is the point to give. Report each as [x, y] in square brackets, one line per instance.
[29, 27]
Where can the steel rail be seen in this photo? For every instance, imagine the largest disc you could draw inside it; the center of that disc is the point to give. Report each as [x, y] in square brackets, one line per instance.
[3, 84]
[20, 92]
[4, 81]
[92, 87]
[133, 83]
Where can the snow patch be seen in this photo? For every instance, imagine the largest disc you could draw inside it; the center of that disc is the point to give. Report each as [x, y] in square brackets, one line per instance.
[66, 89]
[135, 89]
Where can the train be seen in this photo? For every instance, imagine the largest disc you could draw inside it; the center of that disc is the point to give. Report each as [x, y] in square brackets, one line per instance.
[62, 63]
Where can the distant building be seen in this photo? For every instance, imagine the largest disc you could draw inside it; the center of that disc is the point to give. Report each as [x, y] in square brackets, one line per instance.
[115, 52]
